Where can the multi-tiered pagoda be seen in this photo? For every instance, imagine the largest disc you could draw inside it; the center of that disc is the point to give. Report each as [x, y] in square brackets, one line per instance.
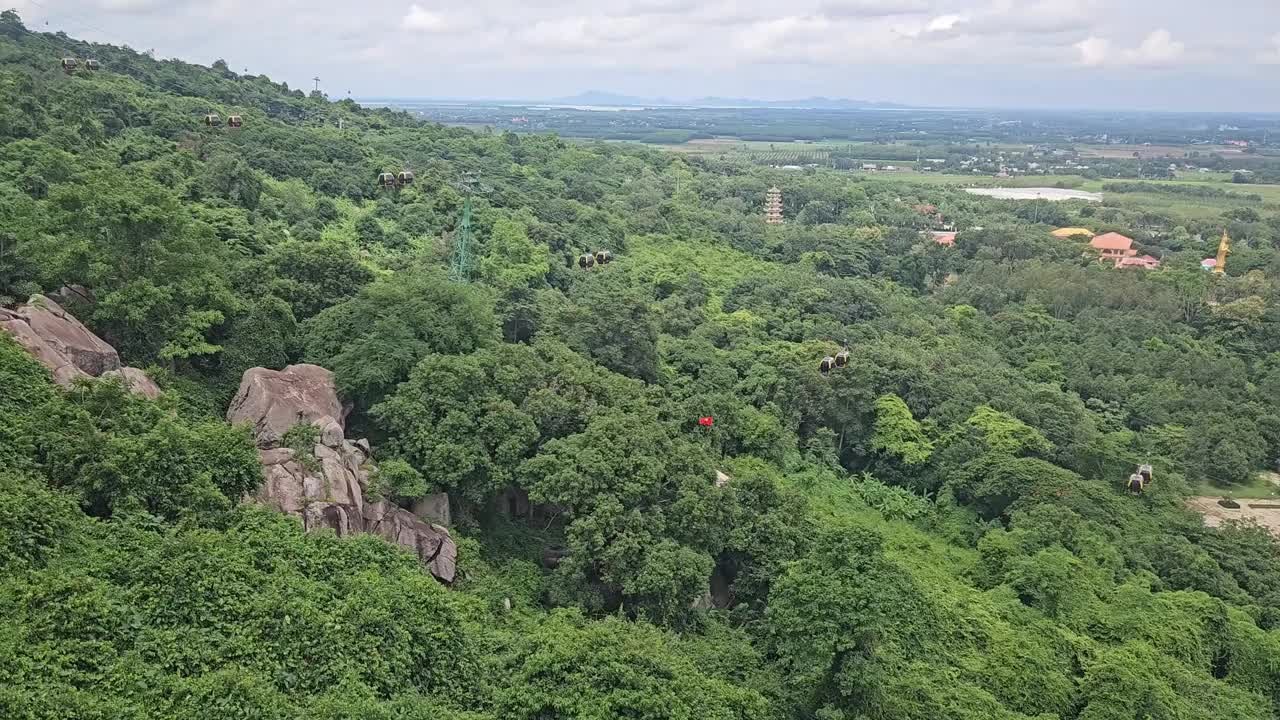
[773, 206]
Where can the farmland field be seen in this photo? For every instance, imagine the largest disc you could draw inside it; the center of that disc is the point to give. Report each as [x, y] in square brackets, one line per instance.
[1147, 151]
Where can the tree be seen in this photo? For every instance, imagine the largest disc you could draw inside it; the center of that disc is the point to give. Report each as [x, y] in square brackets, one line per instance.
[832, 618]
[897, 433]
[373, 340]
[614, 324]
[645, 518]
[570, 667]
[311, 276]
[513, 261]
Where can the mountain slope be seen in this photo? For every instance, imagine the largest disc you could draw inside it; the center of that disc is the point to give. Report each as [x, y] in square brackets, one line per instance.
[937, 529]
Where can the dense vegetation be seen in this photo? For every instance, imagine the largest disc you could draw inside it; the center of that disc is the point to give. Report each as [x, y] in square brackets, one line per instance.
[936, 531]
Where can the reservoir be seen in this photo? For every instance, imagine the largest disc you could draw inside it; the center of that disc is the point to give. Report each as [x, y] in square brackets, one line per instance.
[1045, 193]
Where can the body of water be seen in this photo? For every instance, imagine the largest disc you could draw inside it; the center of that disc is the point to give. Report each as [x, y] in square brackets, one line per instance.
[1036, 194]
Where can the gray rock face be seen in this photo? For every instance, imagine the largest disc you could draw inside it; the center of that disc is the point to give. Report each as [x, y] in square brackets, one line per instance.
[433, 508]
[326, 489]
[69, 349]
[431, 543]
[71, 295]
[276, 400]
[136, 380]
[63, 370]
[69, 337]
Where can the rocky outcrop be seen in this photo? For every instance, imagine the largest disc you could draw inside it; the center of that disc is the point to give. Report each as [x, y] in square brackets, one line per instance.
[68, 348]
[276, 400]
[136, 381]
[433, 508]
[325, 487]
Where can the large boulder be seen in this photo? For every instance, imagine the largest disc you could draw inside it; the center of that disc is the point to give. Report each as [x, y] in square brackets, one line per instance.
[325, 487]
[431, 543]
[136, 381]
[433, 508]
[70, 350]
[276, 400]
[69, 337]
[63, 370]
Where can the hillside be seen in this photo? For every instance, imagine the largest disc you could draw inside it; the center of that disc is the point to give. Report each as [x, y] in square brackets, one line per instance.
[938, 529]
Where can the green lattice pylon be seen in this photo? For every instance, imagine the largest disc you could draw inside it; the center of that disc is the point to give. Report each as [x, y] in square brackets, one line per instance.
[461, 264]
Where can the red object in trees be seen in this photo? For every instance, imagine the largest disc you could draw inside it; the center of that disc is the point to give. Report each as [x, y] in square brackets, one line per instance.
[706, 421]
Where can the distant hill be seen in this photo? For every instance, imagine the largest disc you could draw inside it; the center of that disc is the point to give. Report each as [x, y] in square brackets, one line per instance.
[600, 97]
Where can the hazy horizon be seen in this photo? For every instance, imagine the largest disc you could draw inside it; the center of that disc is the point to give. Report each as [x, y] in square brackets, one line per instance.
[885, 104]
[1138, 55]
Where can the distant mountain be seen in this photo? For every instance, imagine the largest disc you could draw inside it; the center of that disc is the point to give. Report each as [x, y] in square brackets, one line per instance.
[600, 97]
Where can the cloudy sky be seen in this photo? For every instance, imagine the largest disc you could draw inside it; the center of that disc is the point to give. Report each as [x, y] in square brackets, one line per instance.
[1139, 54]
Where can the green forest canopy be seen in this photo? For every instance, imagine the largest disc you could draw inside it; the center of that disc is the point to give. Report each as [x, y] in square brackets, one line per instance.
[937, 530]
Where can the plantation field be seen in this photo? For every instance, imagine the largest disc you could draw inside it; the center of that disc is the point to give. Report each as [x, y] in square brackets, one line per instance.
[1188, 207]
[1147, 151]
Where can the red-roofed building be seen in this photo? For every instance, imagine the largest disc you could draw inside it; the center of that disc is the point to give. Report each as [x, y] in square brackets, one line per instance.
[944, 238]
[931, 212]
[1145, 262]
[1114, 247]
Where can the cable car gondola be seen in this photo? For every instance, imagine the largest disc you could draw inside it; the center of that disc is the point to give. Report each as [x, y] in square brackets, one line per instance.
[842, 358]
[405, 177]
[1135, 484]
[234, 121]
[826, 365]
[213, 120]
[68, 64]
[603, 257]
[586, 262]
[91, 64]
[387, 180]
[1145, 472]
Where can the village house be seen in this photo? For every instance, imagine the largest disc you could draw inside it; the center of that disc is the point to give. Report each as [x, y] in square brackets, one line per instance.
[1113, 247]
[1146, 262]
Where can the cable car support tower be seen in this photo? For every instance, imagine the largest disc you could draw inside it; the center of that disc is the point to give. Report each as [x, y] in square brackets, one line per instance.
[462, 262]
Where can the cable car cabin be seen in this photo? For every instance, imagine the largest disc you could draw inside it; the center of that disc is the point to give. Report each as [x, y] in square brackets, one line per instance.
[91, 64]
[387, 180]
[234, 121]
[405, 177]
[603, 257]
[842, 358]
[68, 64]
[1135, 484]
[586, 262]
[826, 365]
[1145, 472]
[213, 120]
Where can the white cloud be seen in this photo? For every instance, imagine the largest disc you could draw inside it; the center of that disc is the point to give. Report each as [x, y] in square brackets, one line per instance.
[1271, 55]
[1093, 50]
[423, 20]
[1039, 16]
[943, 23]
[940, 26]
[138, 6]
[786, 38]
[873, 8]
[1159, 48]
